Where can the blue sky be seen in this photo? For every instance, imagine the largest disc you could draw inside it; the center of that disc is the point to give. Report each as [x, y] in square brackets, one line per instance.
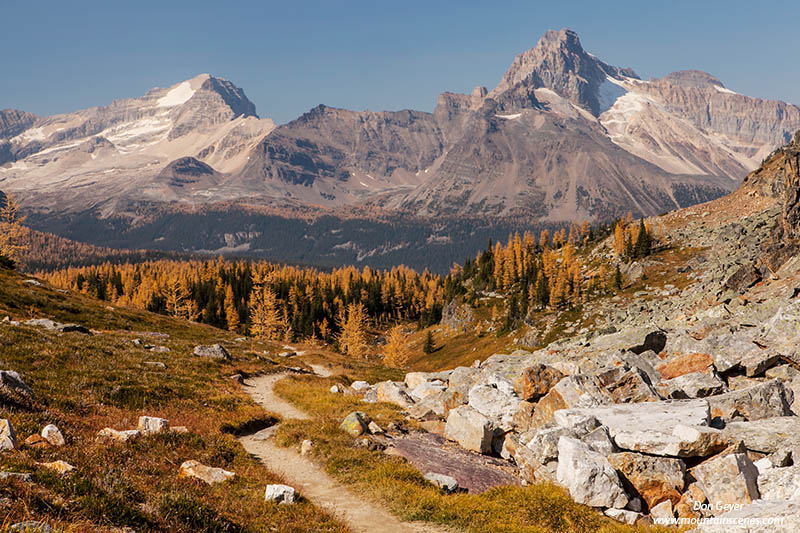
[290, 56]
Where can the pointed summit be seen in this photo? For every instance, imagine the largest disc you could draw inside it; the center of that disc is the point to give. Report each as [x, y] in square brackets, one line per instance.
[559, 62]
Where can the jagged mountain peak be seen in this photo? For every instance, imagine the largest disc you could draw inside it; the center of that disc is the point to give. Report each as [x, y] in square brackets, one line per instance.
[183, 92]
[558, 62]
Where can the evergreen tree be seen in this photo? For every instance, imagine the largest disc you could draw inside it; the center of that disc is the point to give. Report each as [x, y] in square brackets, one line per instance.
[430, 344]
[643, 241]
[618, 279]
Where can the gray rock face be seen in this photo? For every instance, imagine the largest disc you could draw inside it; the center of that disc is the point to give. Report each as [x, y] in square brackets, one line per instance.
[765, 400]
[588, 475]
[214, 351]
[470, 429]
[767, 435]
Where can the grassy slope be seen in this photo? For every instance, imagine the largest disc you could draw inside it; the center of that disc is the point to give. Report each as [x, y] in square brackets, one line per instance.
[85, 383]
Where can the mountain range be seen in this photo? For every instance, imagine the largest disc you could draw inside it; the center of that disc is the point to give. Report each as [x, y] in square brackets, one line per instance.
[563, 137]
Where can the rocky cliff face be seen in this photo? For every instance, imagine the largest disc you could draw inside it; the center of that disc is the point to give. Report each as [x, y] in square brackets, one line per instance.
[336, 156]
[778, 178]
[559, 62]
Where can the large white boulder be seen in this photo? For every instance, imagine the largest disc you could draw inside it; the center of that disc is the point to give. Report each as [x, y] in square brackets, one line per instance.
[470, 429]
[282, 494]
[53, 435]
[495, 404]
[588, 475]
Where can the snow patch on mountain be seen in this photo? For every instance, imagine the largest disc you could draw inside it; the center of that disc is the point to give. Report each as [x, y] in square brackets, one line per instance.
[609, 92]
[724, 90]
[176, 96]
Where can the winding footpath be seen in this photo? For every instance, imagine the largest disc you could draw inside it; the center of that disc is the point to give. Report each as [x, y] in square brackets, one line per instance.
[308, 478]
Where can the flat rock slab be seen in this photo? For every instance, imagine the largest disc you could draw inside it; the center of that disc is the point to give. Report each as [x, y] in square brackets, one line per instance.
[656, 416]
[767, 435]
[431, 453]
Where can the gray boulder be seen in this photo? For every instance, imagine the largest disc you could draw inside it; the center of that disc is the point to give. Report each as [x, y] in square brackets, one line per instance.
[728, 480]
[214, 351]
[446, 483]
[588, 475]
[765, 400]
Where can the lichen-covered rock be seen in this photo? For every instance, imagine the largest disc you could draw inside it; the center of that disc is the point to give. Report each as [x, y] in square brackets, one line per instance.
[470, 429]
[208, 474]
[588, 475]
[355, 424]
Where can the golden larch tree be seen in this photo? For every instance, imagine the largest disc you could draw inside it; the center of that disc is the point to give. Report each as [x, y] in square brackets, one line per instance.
[11, 229]
[396, 351]
[353, 335]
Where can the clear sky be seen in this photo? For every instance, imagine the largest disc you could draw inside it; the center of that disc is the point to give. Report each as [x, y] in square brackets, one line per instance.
[289, 56]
